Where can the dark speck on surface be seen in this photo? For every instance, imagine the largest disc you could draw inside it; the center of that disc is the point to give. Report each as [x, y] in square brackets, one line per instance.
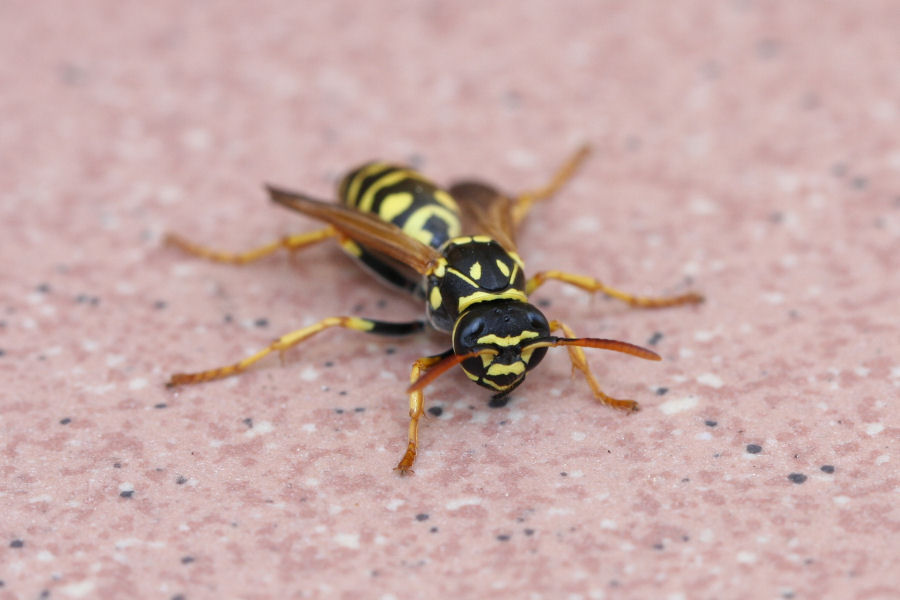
[186, 560]
[44, 288]
[261, 322]
[655, 338]
[528, 531]
[754, 448]
[436, 411]
[16, 544]
[160, 405]
[797, 477]
[359, 409]
[126, 493]
[661, 391]
[181, 480]
[828, 469]
[710, 423]
[65, 421]
[422, 517]
[160, 304]
[390, 350]
[499, 402]
[248, 422]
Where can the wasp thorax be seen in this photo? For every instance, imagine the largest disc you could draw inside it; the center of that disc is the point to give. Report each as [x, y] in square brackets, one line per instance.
[503, 330]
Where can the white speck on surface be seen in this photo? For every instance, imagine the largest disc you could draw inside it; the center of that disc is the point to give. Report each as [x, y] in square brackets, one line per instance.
[308, 427]
[578, 436]
[394, 504]
[841, 500]
[703, 436]
[746, 558]
[862, 371]
[608, 524]
[895, 372]
[706, 536]
[41, 498]
[182, 270]
[80, 589]
[45, 556]
[710, 379]
[773, 297]
[114, 360]
[685, 353]
[702, 205]
[126, 486]
[259, 428]
[309, 374]
[347, 540]
[874, 428]
[460, 502]
[137, 383]
[884, 458]
[677, 405]
[197, 138]
[705, 335]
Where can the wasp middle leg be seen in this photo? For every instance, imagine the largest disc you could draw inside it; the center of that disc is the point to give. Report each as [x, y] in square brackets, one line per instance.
[295, 337]
[592, 285]
[289, 242]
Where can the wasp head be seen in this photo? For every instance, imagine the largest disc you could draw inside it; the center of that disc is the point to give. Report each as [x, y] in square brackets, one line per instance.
[499, 332]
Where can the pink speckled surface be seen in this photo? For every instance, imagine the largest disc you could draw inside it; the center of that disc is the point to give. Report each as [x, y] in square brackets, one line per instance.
[749, 147]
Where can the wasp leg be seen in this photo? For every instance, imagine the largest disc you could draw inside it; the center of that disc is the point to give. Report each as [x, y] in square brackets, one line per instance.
[295, 337]
[416, 409]
[576, 355]
[592, 285]
[526, 200]
[290, 242]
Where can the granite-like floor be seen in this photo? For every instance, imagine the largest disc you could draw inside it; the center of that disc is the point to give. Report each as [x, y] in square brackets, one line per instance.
[745, 149]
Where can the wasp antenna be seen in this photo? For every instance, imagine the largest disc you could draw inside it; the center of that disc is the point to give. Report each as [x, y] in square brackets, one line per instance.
[442, 366]
[614, 345]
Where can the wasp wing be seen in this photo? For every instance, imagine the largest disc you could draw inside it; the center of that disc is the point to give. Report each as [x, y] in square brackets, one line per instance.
[364, 228]
[486, 211]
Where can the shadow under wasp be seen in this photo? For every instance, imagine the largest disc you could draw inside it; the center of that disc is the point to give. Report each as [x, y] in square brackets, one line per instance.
[454, 249]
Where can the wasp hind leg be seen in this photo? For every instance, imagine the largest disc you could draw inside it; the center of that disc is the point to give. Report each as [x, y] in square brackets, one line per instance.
[526, 200]
[289, 242]
[292, 339]
[576, 355]
[592, 285]
[416, 410]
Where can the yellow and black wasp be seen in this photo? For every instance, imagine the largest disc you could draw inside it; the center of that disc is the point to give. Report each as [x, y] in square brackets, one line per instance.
[455, 249]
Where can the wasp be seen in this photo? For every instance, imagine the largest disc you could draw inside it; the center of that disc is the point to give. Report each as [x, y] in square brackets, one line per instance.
[455, 249]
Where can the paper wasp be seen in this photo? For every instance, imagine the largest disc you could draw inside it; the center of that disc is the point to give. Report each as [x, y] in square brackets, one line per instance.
[455, 249]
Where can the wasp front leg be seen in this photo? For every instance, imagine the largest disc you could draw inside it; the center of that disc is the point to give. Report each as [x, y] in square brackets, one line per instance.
[290, 243]
[416, 410]
[592, 285]
[576, 355]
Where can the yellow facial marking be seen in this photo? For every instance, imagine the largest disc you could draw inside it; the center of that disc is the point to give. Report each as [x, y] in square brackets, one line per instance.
[510, 340]
[516, 368]
[503, 268]
[394, 205]
[435, 298]
[475, 271]
[510, 294]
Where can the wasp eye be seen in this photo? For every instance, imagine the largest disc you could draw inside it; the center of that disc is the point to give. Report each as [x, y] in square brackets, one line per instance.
[472, 333]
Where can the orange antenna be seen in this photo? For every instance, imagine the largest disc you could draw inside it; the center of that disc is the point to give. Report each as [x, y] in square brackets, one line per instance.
[614, 345]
